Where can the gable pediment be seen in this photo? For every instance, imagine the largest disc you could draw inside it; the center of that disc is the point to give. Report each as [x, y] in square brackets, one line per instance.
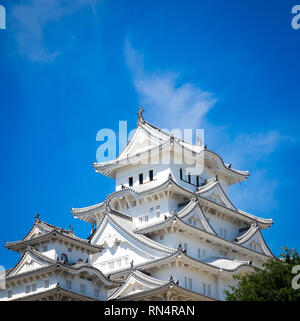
[257, 243]
[197, 219]
[111, 235]
[216, 194]
[28, 262]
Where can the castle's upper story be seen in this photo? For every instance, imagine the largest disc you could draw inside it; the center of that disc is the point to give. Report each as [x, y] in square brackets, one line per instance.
[152, 154]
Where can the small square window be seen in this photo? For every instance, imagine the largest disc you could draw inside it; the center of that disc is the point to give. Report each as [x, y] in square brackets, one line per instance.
[146, 218]
[69, 249]
[9, 293]
[45, 248]
[161, 237]
[27, 288]
[111, 265]
[46, 283]
[33, 287]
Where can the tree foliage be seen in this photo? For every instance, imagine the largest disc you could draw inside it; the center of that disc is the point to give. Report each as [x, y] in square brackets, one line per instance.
[271, 283]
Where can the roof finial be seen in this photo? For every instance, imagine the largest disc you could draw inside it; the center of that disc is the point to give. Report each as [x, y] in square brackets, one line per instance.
[140, 116]
[71, 228]
[37, 217]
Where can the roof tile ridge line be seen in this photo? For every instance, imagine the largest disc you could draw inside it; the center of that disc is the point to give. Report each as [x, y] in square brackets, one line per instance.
[90, 207]
[239, 212]
[180, 253]
[230, 169]
[179, 216]
[256, 218]
[54, 231]
[135, 273]
[167, 133]
[123, 161]
[217, 183]
[132, 234]
[89, 266]
[265, 243]
[27, 273]
[167, 286]
[216, 236]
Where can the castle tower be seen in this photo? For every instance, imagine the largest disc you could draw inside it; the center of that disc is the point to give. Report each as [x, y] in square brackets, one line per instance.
[169, 231]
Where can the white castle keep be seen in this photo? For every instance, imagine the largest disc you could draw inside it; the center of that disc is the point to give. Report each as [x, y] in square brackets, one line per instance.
[169, 232]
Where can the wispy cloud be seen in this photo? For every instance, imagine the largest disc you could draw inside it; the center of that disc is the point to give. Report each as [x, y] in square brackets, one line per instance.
[163, 95]
[185, 105]
[32, 17]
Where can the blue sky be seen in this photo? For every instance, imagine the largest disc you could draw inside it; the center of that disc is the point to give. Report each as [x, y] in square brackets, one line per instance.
[69, 69]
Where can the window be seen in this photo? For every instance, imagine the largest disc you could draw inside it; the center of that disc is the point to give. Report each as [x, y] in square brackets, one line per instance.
[190, 284]
[45, 248]
[223, 232]
[161, 237]
[199, 253]
[189, 178]
[69, 249]
[141, 178]
[197, 181]
[151, 175]
[157, 211]
[126, 260]
[82, 288]
[130, 181]
[185, 282]
[181, 173]
[96, 293]
[33, 287]
[204, 288]
[190, 220]
[209, 290]
[69, 284]
[46, 283]
[9, 293]
[27, 288]
[141, 219]
[185, 246]
[119, 262]
[111, 265]
[146, 218]
[151, 209]
[203, 253]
